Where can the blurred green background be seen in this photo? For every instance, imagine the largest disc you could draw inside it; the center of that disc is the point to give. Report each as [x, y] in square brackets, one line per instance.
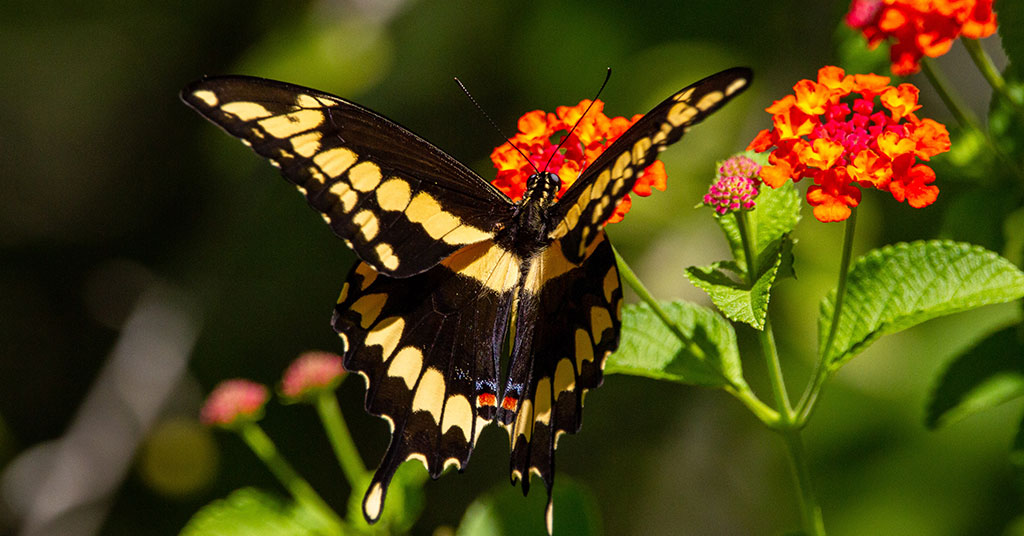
[145, 256]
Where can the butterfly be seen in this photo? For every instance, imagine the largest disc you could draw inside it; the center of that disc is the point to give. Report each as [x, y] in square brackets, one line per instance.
[453, 274]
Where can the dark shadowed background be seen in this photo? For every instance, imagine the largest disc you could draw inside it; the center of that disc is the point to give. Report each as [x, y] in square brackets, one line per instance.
[145, 256]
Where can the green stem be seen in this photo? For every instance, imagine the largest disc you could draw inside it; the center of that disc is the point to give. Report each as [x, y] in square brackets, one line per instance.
[991, 73]
[821, 371]
[766, 336]
[810, 511]
[742, 392]
[341, 439]
[988, 69]
[300, 490]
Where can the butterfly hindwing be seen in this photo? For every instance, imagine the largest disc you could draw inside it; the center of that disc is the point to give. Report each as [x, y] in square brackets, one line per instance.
[567, 323]
[429, 347]
[586, 205]
[402, 204]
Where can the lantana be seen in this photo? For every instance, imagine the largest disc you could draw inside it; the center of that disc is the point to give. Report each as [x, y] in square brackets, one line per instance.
[827, 132]
[735, 186]
[233, 402]
[920, 27]
[592, 136]
[311, 373]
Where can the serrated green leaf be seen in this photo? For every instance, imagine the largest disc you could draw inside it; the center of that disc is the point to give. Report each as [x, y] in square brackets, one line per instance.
[899, 286]
[983, 377]
[737, 301]
[650, 349]
[505, 512]
[249, 511]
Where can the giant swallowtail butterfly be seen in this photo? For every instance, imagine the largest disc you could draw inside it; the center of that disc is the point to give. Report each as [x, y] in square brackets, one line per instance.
[452, 269]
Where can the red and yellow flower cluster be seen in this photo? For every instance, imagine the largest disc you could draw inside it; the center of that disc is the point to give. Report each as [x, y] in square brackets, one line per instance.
[818, 134]
[920, 27]
[593, 134]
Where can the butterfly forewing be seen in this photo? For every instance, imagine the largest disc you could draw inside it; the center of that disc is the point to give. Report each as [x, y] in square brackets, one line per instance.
[589, 202]
[402, 204]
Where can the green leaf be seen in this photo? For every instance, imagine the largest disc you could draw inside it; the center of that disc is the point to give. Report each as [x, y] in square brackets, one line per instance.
[249, 511]
[1011, 31]
[985, 376]
[650, 349]
[899, 286]
[505, 512]
[776, 214]
[737, 301]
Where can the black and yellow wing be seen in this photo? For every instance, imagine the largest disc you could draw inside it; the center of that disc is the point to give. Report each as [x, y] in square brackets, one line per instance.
[569, 305]
[401, 203]
[429, 346]
[588, 203]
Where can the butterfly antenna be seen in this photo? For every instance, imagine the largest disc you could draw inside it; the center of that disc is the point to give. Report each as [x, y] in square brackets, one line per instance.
[607, 76]
[495, 125]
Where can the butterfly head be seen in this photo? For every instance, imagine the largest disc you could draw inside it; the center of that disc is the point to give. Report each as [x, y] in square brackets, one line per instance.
[542, 189]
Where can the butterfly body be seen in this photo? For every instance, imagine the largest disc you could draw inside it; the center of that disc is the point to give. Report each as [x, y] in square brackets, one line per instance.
[453, 273]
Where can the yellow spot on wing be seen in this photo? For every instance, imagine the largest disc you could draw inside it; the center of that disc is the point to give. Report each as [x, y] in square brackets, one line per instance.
[487, 263]
[368, 307]
[368, 224]
[611, 282]
[407, 364]
[524, 422]
[246, 111]
[735, 86]
[386, 334]
[429, 395]
[640, 148]
[208, 97]
[364, 176]
[584, 347]
[709, 100]
[458, 413]
[681, 113]
[335, 161]
[307, 144]
[621, 163]
[542, 400]
[307, 101]
[368, 274]
[466, 234]
[344, 293]
[565, 377]
[600, 320]
[422, 208]
[373, 501]
[287, 125]
[387, 256]
[393, 194]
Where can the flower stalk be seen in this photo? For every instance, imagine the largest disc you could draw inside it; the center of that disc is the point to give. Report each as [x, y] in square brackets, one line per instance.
[304, 494]
[341, 439]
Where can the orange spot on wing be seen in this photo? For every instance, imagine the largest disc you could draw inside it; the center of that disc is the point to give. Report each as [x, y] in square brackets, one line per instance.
[486, 399]
[509, 403]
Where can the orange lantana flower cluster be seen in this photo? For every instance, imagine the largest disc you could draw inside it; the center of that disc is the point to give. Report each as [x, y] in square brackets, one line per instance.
[920, 27]
[593, 134]
[816, 134]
